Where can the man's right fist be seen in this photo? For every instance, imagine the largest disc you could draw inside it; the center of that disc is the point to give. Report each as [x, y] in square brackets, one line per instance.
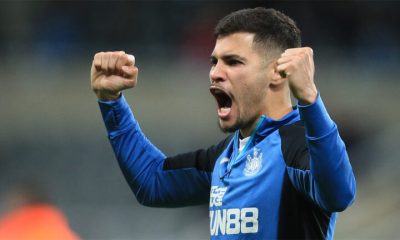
[111, 73]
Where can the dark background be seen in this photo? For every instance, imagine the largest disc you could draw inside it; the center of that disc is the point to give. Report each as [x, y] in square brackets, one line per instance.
[51, 132]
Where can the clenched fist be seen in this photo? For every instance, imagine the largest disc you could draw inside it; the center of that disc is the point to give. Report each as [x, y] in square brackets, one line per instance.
[297, 65]
[111, 73]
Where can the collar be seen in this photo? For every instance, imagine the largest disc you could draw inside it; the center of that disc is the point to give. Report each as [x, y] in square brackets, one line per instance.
[265, 127]
[268, 125]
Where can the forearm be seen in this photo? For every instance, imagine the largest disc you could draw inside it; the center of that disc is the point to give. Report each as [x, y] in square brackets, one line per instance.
[142, 163]
[137, 157]
[154, 186]
[331, 171]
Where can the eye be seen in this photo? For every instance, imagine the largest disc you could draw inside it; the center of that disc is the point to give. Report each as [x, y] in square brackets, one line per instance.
[213, 61]
[233, 62]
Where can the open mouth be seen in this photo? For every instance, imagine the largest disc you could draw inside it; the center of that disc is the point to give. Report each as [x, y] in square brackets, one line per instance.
[224, 101]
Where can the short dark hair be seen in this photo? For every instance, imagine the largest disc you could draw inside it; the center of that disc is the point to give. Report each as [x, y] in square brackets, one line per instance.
[271, 27]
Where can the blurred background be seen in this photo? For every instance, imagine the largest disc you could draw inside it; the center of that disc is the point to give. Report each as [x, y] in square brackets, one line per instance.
[52, 133]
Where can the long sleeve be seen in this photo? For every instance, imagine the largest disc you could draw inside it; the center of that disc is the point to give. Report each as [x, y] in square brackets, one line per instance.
[329, 181]
[142, 163]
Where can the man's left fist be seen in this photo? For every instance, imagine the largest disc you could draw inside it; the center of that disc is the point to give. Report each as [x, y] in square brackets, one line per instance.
[297, 65]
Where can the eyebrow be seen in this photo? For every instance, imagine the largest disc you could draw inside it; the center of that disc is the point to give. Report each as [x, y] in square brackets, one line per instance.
[229, 57]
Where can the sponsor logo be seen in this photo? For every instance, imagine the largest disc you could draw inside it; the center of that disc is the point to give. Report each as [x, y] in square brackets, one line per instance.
[233, 221]
[216, 195]
[253, 163]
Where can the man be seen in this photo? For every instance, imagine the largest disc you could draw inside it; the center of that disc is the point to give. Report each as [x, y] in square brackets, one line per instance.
[282, 173]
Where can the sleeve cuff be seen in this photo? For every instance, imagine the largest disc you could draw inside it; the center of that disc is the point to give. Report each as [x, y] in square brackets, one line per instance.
[316, 119]
[116, 114]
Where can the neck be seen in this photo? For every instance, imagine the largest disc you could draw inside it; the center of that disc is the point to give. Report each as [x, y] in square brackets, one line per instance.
[277, 103]
[246, 131]
[276, 106]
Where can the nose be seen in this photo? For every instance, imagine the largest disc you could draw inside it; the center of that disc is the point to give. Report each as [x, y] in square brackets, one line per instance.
[217, 73]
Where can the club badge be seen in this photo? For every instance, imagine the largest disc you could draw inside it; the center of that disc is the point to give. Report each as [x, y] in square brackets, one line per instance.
[253, 163]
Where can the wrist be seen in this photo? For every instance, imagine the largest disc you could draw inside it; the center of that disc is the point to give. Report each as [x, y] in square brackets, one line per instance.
[106, 96]
[308, 97]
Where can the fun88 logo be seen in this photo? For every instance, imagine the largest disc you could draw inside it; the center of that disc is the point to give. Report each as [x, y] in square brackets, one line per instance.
[232, 220]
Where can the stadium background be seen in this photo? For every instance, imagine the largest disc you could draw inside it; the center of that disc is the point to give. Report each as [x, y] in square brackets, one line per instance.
[52, 132]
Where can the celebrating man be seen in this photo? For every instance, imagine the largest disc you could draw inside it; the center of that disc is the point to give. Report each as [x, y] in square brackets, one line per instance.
[282, 173]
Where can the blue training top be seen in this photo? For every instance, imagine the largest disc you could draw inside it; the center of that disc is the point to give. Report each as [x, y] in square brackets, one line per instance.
[289, 181]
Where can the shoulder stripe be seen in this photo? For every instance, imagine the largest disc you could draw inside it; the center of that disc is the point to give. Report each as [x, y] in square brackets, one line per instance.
[294, 146]
[202, 159]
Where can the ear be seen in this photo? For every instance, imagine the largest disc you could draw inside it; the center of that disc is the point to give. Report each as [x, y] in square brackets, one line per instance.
[276, 78]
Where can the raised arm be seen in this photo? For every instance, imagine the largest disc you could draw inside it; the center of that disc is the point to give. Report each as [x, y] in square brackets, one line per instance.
[328, 180]
[156, 180]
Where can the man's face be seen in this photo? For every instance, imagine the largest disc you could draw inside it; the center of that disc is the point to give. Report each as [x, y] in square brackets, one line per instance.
[239, 82]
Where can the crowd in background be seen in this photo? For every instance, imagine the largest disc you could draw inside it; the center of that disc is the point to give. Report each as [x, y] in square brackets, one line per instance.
[359, 29]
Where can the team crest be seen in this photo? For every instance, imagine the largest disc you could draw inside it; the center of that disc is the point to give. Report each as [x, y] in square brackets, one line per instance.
[253, 164]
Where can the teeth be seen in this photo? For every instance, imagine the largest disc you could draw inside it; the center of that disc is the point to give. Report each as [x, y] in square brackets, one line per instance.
[225, 109]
